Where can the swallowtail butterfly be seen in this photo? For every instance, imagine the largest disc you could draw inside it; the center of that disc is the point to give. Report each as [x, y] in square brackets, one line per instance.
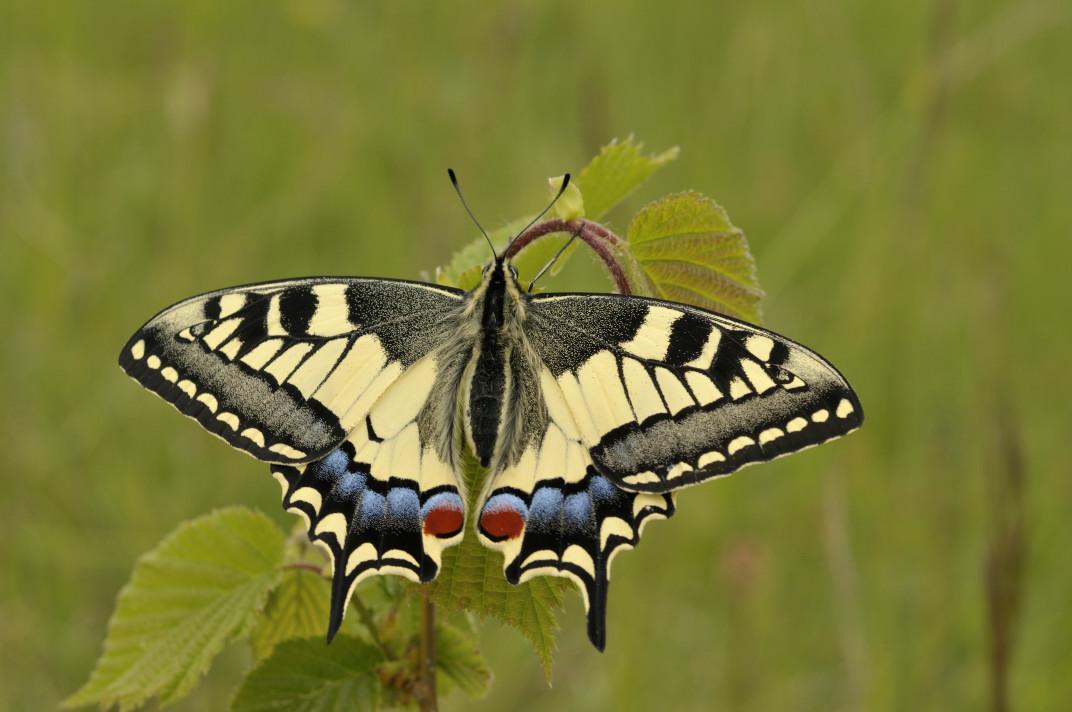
[588, 411]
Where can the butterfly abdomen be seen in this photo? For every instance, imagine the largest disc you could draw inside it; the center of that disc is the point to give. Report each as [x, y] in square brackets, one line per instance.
[486, 393]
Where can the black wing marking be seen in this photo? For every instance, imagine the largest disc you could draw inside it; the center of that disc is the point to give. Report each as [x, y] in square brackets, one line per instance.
[666, 395]
[284, 370]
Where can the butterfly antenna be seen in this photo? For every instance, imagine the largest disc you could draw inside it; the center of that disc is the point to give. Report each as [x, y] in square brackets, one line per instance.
[561, 190]
[555, 258]
[458, 190]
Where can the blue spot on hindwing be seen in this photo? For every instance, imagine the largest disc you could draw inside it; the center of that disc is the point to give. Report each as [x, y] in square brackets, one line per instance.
[546, 508]
[403, 507]
[440, 498]
[602, 490]
[371, 509]
[350, 484]
[332, 466]
[507, 500]
[577, 510]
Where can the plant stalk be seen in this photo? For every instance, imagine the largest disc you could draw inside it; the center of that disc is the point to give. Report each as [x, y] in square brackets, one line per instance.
[425, 690]
[370, 626]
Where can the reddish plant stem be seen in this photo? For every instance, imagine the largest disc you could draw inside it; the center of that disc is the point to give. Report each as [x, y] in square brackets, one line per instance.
[600, 239]
[306, 566]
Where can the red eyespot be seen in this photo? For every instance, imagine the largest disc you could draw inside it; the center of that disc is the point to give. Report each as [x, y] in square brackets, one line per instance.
[444, 520]
[502, 522]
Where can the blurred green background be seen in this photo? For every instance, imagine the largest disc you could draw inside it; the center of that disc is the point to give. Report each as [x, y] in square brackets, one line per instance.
[903, 171]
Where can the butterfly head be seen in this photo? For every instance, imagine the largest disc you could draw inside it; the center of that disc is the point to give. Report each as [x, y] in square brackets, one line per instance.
[500, 269]
[499, 293]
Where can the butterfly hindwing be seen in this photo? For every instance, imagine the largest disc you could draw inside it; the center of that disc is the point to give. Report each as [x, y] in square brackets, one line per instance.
[383, 502]
[284, 370]
[553, 514]
[666, 395]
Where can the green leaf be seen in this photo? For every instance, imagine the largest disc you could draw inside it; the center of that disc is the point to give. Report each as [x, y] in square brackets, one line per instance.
[570, 205]
[459, 662]
[307, 675]
[615, 173]
[688, 251]
[463, 270]
[297, 608]
[471, 578]
[467, 280]
[206, 582]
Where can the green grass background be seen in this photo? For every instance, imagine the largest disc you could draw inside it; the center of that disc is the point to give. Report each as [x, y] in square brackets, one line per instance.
[903, 171]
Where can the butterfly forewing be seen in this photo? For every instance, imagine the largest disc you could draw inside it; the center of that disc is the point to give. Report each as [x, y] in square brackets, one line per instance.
[284, 370]
[665, 395]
